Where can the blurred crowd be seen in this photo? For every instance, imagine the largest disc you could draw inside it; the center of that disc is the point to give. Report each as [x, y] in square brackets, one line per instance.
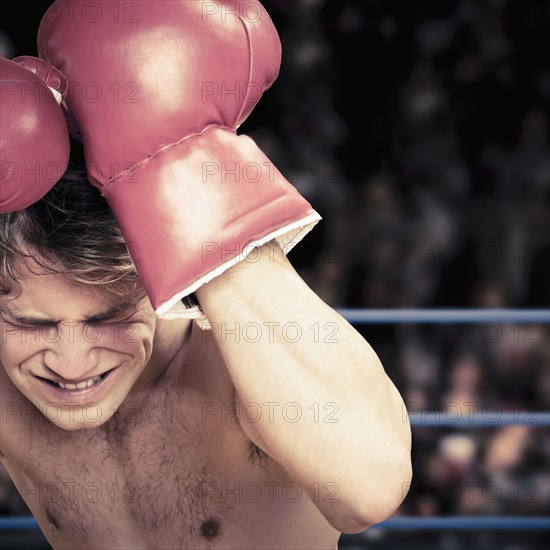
[420, 132]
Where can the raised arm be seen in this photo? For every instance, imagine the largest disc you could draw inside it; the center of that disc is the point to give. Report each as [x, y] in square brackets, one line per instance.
[330, 414]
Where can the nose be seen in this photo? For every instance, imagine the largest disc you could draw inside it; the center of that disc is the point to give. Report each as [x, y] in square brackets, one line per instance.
[72, 355]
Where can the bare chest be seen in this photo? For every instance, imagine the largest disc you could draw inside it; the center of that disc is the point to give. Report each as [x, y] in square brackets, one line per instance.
[150, 477]
[172, 469]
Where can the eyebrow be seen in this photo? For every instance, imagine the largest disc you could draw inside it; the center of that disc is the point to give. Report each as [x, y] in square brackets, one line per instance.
[108, 314]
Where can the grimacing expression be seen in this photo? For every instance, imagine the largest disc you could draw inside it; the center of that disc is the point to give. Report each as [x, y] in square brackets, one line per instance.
[69, 352]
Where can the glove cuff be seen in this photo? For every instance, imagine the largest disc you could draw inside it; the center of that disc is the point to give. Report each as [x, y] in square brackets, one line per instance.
[191, 212]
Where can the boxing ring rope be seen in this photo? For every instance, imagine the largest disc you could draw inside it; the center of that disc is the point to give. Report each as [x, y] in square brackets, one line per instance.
[463, 523]
[431, 418]
[444, 315]
[479, 420]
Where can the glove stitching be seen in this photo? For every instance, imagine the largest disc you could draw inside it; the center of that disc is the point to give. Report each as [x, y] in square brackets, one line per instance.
[167, 148]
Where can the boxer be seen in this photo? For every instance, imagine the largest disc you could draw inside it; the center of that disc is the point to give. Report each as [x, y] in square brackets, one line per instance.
[168, 380]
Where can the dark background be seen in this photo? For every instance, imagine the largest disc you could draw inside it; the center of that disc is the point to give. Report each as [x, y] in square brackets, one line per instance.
[419, 131]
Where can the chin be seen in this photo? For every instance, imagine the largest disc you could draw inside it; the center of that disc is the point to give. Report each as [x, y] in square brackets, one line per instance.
[68, 425]
[72, 419]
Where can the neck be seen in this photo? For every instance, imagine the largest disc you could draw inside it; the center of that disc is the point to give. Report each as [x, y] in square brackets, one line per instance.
[169, 344]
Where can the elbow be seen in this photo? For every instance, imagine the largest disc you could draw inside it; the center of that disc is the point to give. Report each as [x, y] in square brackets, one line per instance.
[387, 497]
[377, 502]
[390, 498]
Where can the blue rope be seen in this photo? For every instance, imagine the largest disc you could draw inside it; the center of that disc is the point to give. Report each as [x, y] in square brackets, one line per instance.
[488, 419]
[445, 315]
[8, 523]
[465, 523]
[398, 523]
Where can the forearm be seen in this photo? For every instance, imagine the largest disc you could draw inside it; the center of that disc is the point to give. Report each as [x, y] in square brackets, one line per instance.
[350, 434]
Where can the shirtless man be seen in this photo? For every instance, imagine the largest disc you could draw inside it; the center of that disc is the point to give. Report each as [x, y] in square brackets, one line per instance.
[265, 422]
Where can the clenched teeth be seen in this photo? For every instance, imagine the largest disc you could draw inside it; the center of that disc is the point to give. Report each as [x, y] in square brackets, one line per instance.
[81, 385]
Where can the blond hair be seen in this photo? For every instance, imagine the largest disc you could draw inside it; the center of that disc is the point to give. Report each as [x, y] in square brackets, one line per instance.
[71, 231]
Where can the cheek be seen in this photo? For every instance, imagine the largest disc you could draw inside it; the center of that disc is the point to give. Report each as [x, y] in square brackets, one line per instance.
[18, 344]
[132, 338]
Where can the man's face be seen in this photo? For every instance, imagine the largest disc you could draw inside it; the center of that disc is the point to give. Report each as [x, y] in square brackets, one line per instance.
[73, 355]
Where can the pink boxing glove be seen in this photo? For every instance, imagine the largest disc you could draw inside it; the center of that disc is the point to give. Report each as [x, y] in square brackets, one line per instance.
[34, 141]
[170, 84]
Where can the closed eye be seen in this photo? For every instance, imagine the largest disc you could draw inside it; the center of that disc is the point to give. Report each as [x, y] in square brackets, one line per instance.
[25, 322]
[33, 327]
[30, 326]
